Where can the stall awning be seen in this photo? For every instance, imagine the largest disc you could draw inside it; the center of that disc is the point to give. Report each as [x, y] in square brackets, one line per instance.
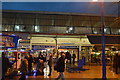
[108, 39]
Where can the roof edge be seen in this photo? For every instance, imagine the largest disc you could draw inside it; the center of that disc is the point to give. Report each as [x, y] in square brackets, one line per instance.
[55, 13]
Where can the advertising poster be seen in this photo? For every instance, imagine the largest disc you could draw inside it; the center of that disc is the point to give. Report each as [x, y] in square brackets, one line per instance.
[9, 41]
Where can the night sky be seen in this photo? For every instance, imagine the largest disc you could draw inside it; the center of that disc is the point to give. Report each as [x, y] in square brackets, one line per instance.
[74, 7]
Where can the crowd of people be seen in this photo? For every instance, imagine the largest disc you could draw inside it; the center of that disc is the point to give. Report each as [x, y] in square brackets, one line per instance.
[28, 61]
[39, 63]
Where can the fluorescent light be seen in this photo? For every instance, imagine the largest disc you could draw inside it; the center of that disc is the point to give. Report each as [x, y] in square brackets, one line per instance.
[17, 27]
[95, 32]
[6, 30]
[94, 0]
[119, 30]
[97, 53]
[105, 30]
[71, 28]
[36, 27]
[66, 31]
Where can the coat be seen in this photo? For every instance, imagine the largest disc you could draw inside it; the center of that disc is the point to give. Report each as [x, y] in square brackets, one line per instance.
[24, 66]
[5, 65]
[30, 61]
[61, 64]
[50, 61]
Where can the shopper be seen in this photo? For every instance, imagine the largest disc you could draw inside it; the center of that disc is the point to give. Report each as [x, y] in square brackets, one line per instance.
[118, 62]
[50, 64]
[30, 61]
[40, 67]
[24, 68]
[42, 58]
[5, 65]
[114, 62]
[73, 56]
[67, 56]
[61, 66]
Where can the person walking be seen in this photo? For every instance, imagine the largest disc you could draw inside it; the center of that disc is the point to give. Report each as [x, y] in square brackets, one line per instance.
[61, 66]
[24, 68]
[73, 56]
[40, 67]
[50, 64]
[30, 61]
[5, 65]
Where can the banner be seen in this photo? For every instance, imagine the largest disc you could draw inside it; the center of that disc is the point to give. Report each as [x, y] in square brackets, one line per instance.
[9, 41]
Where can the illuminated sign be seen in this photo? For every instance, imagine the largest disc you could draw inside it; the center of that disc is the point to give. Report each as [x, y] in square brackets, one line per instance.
[9, 41]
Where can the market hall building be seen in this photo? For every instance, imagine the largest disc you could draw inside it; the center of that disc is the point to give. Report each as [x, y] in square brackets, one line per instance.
[54, 31]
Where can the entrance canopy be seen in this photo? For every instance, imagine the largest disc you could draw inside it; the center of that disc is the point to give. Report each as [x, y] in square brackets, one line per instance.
[62, 40]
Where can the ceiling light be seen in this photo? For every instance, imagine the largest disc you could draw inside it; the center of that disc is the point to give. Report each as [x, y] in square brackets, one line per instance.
[17, 27]
[66, 31]
[6, 30]
[71, 28]
[105, 30]
[95, 32]
[119, 30]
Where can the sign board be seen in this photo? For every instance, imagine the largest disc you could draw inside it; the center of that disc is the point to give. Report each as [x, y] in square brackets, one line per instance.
[9, 41]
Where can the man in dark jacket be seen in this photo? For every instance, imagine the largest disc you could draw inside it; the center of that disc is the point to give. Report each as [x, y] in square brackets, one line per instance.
[61, 66]
[74, 56]
[30, 61]
[5, 65]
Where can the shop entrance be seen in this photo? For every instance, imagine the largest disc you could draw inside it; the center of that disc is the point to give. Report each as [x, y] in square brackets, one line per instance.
[78, 45]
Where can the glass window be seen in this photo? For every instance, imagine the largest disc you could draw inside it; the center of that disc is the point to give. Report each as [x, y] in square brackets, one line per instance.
[19, 28]
[8, 15]
[25, 21]
[7, 27]
[37, 28]
[70, 30]
[44, 22]
[57, 29]
[96, 30]
[83, 30]
[115, 30]
[8, 20]
[107, 30]
[60, 22]
[24, 15]
[96, 23]
[40, 16]
[95, 18]
[23, 28]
